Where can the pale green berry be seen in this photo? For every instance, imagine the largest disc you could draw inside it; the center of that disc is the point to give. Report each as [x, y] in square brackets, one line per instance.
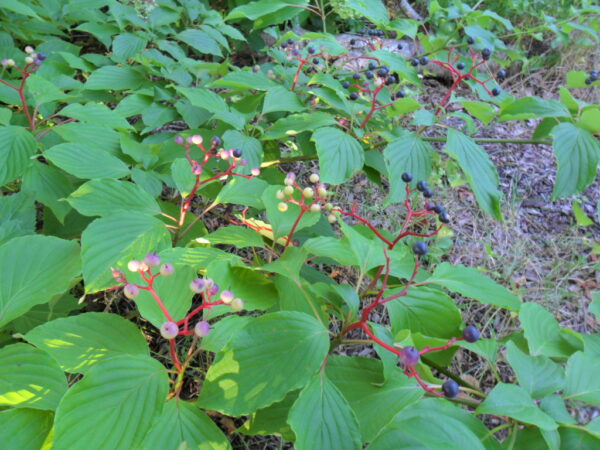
[315, 207]
[237, 304]
[283, 207]
[227, 296]
[314, 178]
[280, 194]
[331, 218]
[288, 190]
[131, 291]
[255, 171]
[29, 49]
[134, 265]
[322, 191]
[328, 207]
[309, 192]
[29, 60]
[202, 329]
[197, 139]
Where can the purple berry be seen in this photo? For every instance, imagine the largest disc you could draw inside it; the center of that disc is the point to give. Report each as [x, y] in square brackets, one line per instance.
[197, 169]
[169, 330]
[216, 141]
[214, 290]
[166, 270]
[470, 334]
[410, 355]
[227, 296]
[420, 248]
[131, 291]
[198, 285]
[179, 140]
[119, 276]
[450, 388]
[202, 329]
[422, 185]
[152, 260]
[41, 56]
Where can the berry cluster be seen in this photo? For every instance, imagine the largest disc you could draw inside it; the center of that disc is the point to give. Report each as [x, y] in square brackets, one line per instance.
[310, 58]
[234, 158]
[593, 77]
[206, 287]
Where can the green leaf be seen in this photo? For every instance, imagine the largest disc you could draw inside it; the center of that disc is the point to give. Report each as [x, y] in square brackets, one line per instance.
[114, 78]
[282, 222]
[297, 123]
[577, 154]
[19, 8]
[513, 401]
[282, 99]
[594, 306]
[79, 342]
[375, 403]
[24, 429]
[114, 240]
[472, 283]
[97, 137]
[408, 153]
[200, 41]
[397, 63]
[272, 355]
[86, 162]
[235, 235]
[538, 375]
[107, 196]
[35, 269]
[199, 258]
[29, 378]
[49, 186]
[424, 310]
[480, 110]
[373, 10]
[543, 332]
[59, 306]
[223, 331]
[183, 423]
[243, 191]
[533, 107]
[243, 80]
[555, 407]
[583, 383]
[18, 210]
[322, 418]
[257, 9]
[368, 251]
[480, 171]
[272, 420]
[96, 114]
[331, 248]
[114, 406]
[127, 45]
[204, 98]
[340, 155]
[18, 145]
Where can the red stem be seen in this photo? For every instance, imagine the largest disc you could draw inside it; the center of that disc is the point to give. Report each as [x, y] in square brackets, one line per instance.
[174, 356]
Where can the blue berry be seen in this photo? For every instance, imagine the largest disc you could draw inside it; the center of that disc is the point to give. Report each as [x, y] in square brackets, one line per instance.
[410, 356]
[311, 50]
[471, 334]
[450, 388]
[315, 60]
[372, 65]
[237, 152]
[369, 75]
[501, 74]
[356, 76]
[438, 209]
[444, 218]
[427, 193]
[460, 65]
[424, 61]
[407, 177]
[401, 93]
[422, 185]
[470, 40]
[420, 248]
[346, 84]
[496, 92]
[354, 96]
[399, 46]
[486, 53]
[414, 62]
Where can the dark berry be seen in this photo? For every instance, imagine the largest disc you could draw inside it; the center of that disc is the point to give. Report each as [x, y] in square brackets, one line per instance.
[401, 93]
[216, 141]
[372, 65]
[399, 46]
[394, 78]
[429, 206]
[290, 41]
[237, 152]
[372, 32]
[471, 334]
[316, 61]
[407, 177]
[42, 56]
[501, 74]
[420, 248]
[470, 40]
[593, 73]
[410, 355]
[450, 388]
[284, 45]
[354, 96]
[427, 193]
[422, 185]
[486, 53]
[438, 209]
[460, 65]
[588, 81]
[346, 84]
[356, 76]
[311, 50]
[352, 41]
[444, 217]
[414, 62]
[369, 75]
[424, 61]
[496, 92]
[296, 52]
[380, 33]
[383, 72]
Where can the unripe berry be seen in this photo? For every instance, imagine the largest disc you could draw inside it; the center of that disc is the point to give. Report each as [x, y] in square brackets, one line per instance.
[197, 139]
[420, 248]
[189, 140]
[331, 218]
[214, 289]
[407, 177]
[378, 82]
[237, 304]
[134, 265]
[280, 194]
[450, 389]
[282, 207]
[29, 60]
[10, 62]
[152, 260]
[29, 49]
[225, 154]
[308, 192]
[4, 62]
[471, 334]
[166, 270]
[328, 207]
[208, 283]
[289, 179]
[169, 330]
[314, 178]
[227, 296]
[198, 285]
[179, 140]
[202, 329]
[322, 191]
[315, 207]
[197, 169]
[243, 162]
[410, 356]
[255, 172]
[131, 291]
[119, 276]
[288, 190]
